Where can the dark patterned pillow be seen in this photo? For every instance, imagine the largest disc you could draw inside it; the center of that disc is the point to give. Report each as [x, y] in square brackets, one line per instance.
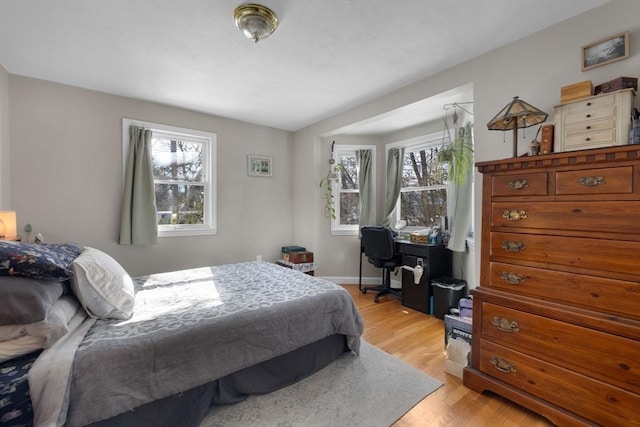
[48, 261]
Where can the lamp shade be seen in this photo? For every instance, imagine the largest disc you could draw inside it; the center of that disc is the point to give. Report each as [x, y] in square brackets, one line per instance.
[517, 114]
[8, 225]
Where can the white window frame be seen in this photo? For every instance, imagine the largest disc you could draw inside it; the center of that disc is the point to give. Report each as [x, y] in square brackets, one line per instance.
[209, 141]
[429, 140]
[337, 228]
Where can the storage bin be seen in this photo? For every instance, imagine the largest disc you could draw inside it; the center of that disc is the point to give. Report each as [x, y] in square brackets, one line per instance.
[447, 291]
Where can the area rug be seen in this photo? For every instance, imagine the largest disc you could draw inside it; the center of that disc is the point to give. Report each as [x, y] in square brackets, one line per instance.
[373, 389]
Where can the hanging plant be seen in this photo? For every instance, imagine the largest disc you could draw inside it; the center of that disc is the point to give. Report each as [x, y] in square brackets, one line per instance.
[459, 155]
[327, 185]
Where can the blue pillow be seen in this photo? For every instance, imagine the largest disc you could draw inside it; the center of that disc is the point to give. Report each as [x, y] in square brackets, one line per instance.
[46, 261]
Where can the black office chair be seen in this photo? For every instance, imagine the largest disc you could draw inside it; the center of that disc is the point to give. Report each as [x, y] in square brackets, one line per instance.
[379, 247]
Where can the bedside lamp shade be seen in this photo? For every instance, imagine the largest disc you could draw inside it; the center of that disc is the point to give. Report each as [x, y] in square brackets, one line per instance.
[8, 225]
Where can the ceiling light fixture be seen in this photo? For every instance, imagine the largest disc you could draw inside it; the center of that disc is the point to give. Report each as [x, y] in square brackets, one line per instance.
[257, 22]
[517, 114]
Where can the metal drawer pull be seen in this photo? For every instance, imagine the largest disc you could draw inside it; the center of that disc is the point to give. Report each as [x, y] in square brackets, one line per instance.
[514, 215]
[518, 184]
[505, 324]
[512, 278]
[591, 181]
[502, 365]
[513, 246]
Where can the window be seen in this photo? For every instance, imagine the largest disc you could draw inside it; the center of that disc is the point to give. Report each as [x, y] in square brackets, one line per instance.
[184, 178]
[423, 196]
[346, 194]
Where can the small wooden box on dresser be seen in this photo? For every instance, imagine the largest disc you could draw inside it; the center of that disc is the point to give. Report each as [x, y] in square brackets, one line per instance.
[556, 319]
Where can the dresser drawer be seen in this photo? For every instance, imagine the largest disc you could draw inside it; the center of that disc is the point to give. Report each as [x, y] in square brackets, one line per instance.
[609, 296]
[592, 126]
[587, 397]
[593, 353]
[583, 141]
[593, 254]
[589, 114]
[526, 184]
[588, 104]
[618, 180]
[607, 217]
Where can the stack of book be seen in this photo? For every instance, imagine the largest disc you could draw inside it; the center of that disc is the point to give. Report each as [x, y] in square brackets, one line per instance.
[297, 258]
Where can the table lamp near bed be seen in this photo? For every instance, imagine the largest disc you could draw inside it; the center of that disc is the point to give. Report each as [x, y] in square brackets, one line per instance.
[8, 228]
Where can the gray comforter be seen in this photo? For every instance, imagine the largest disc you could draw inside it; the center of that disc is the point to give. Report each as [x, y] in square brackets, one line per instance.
[191, 327]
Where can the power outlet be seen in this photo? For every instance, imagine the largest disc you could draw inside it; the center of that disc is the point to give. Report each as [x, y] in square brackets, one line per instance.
[259, 258]
[419, 261]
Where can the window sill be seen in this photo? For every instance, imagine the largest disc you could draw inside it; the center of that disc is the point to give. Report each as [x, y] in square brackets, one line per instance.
[187, 232]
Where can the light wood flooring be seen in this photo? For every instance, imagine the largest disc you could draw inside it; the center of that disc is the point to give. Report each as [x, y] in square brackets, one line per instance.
[418, 339]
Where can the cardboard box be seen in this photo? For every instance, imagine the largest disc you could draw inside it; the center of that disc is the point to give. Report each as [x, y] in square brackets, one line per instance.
[576, 91]
[456, 327]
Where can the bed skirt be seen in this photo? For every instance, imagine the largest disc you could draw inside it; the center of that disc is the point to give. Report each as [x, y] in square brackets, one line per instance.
[188, 409]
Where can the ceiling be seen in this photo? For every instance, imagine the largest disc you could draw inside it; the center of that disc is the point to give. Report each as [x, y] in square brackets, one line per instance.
[327, 55]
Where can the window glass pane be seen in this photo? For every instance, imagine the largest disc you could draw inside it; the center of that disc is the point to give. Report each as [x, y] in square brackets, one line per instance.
[177, 160]
[423, 208]
[421, 170]
[349, 214]
[180, 204]
[349, 173]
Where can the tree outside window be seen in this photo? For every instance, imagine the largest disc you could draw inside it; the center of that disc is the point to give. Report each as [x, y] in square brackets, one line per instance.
[423, 196]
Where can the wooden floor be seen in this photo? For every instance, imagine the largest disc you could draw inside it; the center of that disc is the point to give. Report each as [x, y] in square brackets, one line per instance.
[418, 339]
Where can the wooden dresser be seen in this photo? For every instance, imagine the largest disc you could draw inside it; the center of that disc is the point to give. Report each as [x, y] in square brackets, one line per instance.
[556, 319]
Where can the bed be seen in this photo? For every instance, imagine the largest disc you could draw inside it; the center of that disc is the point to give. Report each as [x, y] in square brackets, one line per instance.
[174, 344]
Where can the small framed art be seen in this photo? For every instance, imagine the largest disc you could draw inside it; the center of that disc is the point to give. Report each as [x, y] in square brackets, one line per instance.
[259, 165]
[602, 52]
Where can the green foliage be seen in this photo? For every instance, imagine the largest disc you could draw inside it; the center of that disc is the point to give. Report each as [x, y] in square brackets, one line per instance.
[459, 156]
[326, 184]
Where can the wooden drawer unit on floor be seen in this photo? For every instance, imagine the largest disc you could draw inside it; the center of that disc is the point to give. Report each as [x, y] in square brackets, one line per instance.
[557, 313]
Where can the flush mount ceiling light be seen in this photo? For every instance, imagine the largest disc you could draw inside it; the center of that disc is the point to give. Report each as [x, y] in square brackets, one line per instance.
[257, 22]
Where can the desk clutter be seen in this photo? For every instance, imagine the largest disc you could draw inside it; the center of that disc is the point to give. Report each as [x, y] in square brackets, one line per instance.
[429, 235]
[297, 258]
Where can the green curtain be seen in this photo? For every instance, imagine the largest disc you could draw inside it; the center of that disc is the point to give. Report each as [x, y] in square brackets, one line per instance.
[394, 183]
[365, 187]
[138, 225]
[459, 202]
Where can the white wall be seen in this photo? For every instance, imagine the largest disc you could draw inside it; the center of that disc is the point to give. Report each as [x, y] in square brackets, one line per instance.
[66, 177]
[534, 68]
[4, 140]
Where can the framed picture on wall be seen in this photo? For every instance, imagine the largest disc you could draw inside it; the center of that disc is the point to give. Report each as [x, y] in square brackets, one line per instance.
[602, 52]
[258, 165]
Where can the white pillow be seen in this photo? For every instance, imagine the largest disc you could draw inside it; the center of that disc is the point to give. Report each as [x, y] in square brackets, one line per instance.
[51, 329]
[103, 287]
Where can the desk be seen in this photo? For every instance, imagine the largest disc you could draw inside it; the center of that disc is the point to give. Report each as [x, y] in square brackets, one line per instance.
[436, 261]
